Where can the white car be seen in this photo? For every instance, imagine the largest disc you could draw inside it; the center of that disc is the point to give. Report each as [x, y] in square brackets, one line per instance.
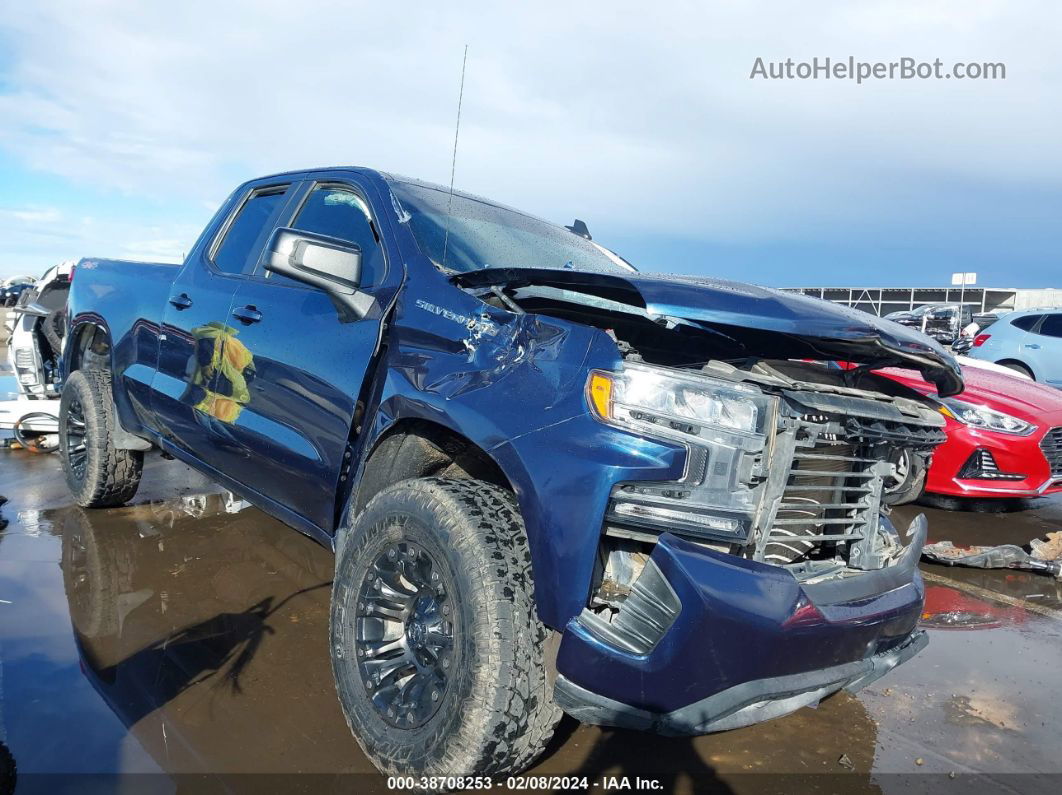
[966, 361]
[34, 349]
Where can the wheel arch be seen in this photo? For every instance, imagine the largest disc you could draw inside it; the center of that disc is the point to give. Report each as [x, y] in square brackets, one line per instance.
[416, 448]
[89, 347]
[1008, 360]
[561, 573]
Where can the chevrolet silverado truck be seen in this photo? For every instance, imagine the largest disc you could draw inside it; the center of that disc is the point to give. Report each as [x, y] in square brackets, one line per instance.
[552, 483]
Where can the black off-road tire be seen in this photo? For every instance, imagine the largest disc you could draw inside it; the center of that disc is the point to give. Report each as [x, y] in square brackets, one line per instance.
[106, 476]
[53, 327]
[496, 712]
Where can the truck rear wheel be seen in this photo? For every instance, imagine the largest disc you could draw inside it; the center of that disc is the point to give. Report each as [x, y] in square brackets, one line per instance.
[99, 475]
[437, 649]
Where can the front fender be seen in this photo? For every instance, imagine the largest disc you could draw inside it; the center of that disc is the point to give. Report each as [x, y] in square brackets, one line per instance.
[514, 386]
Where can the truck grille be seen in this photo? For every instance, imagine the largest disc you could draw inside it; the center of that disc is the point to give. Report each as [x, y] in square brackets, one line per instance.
[1051, 444]
[830, 496]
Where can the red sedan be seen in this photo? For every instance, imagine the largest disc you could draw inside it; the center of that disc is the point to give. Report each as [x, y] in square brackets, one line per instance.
[1004, 437]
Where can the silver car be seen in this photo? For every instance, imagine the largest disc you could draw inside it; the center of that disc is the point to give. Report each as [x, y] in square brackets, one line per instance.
[1029, 342]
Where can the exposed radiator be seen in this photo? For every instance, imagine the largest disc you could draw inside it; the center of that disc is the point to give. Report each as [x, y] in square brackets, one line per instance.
[831, 495]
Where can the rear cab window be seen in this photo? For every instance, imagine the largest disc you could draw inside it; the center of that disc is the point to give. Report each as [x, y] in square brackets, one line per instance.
[242, 235]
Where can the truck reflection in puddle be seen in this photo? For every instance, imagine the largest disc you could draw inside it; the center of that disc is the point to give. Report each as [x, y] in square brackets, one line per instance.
[202, 624]
[196, 620]
[102, 593]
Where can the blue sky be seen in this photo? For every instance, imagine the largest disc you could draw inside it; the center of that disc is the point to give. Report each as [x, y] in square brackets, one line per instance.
[123, 127]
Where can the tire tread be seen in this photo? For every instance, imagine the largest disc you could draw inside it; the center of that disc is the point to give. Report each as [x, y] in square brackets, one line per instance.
[112, 476]
[507, 725]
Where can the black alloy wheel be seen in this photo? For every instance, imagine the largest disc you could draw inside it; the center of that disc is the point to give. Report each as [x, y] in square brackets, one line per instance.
[405, 634]
[75, 448]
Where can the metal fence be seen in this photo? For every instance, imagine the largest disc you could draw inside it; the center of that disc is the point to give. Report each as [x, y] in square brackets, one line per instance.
[883, 300]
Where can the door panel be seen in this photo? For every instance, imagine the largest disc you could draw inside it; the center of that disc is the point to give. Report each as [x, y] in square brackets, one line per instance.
[308, 368]
[290, 436]
[190, 342]
[1043, 350]
[195, 331]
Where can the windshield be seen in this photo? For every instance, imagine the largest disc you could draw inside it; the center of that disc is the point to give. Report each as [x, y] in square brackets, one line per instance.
[476, 234]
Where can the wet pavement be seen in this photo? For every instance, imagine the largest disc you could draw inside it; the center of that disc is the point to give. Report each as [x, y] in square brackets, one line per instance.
[185, 637]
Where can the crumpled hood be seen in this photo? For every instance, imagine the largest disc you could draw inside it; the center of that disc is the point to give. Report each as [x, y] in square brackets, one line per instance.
[767, 322]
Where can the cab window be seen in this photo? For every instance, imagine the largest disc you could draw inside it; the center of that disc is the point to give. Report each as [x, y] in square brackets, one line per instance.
[242, 236]
[340, 212]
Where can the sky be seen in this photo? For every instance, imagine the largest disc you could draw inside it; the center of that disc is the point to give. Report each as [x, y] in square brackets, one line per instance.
[123, 126]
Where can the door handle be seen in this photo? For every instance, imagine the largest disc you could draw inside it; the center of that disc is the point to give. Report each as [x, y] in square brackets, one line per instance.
[247, 314]
[181, 301]
[1032, 345]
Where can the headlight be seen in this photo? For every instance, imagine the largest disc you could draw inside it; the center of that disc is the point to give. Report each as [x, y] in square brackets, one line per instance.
[670, 403]
[985, 418]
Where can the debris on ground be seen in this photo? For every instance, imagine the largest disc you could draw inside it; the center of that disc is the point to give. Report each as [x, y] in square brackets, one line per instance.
[1039, 555]
[1049, 548]
[846, 763]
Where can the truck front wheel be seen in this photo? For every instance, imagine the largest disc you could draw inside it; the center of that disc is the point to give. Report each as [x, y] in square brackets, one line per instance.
[437, 649]
[99, 474]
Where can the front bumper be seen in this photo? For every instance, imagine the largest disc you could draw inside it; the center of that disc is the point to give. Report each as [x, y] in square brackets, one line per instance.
[748, 643]
[740, 705]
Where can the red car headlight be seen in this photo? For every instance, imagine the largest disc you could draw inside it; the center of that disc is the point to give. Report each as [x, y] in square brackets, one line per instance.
[984, 418]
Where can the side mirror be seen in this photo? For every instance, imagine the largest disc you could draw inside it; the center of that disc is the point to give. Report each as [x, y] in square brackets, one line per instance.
[324, 262]
[36, 310]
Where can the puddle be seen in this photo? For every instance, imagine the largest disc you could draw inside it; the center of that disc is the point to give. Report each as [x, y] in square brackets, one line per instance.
[187, 634]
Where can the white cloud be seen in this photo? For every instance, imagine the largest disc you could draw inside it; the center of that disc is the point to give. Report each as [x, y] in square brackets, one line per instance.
[32, 215]
[166, 250]
[644, 115]
[34, 239]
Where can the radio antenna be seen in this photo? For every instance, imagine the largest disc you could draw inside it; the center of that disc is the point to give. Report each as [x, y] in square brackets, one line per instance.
[453, 161]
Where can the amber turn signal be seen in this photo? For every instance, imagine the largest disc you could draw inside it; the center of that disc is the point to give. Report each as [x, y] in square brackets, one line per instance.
[599, 394]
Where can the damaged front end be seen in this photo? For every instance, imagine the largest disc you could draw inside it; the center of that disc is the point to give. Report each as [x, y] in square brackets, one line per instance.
[768, 574]
[789, 470]
[787, 461]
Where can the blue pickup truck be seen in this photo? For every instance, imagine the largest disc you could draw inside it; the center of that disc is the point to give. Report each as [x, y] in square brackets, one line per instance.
[552, 483]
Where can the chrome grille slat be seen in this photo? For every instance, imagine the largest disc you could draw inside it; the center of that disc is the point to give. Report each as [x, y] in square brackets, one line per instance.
[826, 498]
[814, 473]
[797, 506]
[841, 537]
[855, 520]
[827, 457]
[862, 488]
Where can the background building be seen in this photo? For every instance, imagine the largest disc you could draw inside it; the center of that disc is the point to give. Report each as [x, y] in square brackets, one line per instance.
[882, 300]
